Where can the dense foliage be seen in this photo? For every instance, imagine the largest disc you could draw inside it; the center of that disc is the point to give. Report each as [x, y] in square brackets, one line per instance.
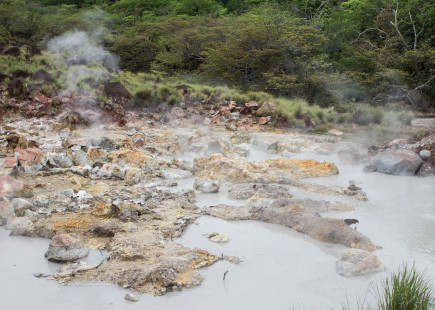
[330, 52]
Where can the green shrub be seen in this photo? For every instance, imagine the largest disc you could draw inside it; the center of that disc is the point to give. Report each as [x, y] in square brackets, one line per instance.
[172, 100]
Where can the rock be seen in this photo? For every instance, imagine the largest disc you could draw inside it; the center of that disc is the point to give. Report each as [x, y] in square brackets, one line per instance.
[355, 262]
[31, 159]
[247, 190]
[8, 165]
[20, 206]
[131, 297]
[214, 147]
[83, 170]
[134, 175]
[11, 188]
[6, 209]
[118, 93]
[60, 160]
[206, 185]
[178, 112]
[428, 169]
[335, 132]
[266, 107]
[307, 120]
[280, 170]
[20, 74]
[264, 120]
[301, 215]
[175, 174]
[251, 104]
[396, 162]
[20, 226]
[269, 145]
[103, 208]
[221, 238]
[66, 248]
[16, 88]
[13, 51]
[424, 154]
[129, 227]
[83, 197]
[242, 150]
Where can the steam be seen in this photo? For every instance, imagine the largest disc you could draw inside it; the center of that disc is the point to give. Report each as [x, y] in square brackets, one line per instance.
[86, 63]
[82, 46]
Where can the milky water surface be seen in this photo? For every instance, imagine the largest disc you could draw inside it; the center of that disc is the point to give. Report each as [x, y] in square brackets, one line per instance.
[280, 267]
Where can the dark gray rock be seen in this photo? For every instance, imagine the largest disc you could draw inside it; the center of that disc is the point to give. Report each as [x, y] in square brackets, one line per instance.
[396, 162]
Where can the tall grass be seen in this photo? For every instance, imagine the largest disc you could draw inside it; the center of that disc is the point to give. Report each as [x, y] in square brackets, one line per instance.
[405, 290]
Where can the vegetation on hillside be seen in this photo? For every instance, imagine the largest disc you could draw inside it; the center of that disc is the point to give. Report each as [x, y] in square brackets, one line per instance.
[330, 53]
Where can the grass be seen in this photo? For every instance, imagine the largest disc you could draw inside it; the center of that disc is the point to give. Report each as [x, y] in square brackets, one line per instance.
[406, 289]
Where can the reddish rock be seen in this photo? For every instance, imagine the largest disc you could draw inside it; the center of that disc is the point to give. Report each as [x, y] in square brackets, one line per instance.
[29, 157]
[178, 112]
[9, 162]
[264, 120]
[251, 104]
[13, 188]
[266, 107]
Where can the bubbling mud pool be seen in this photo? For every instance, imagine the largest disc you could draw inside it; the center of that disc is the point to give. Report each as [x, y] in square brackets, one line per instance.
[280, 267]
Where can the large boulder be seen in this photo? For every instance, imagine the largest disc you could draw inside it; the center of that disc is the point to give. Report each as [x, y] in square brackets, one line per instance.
[66, 248]
[356, 262]
[31, 159]
[118, 93]
[13, 188]
[13, 51]
[17, 88]
[396, 162]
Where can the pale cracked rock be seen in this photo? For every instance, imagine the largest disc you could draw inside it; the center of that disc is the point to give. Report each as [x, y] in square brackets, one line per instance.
[129, 227]
[65, 248]
[6, 209]
[175, 174]
[20, 226]
[21, 205]
[131, 297]
[355, 262]
[206, 185]
[221, 238]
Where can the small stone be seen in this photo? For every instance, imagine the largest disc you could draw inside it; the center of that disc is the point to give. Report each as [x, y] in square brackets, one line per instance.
[206, 185]
[355, 262]
[65, 248]
[129, 227]
[210, 235]
[424, 154]
[335, 132]
[83, 170]
[131, 297]
[221, 238]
